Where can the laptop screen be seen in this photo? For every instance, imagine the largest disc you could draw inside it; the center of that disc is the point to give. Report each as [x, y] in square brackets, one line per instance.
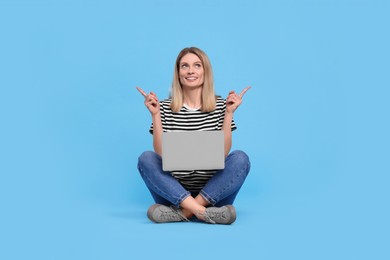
[193, 150]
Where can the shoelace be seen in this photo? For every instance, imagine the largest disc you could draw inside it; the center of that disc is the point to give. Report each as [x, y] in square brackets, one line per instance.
[174, 213]
[209, 216]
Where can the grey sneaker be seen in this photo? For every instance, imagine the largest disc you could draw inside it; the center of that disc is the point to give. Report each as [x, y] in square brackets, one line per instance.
[162, 214]
[223, 215]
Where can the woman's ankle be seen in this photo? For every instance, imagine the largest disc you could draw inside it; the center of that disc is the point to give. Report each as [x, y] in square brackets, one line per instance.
[186, 213]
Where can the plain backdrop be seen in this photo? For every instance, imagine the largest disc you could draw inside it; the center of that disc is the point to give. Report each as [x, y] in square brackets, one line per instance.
[315, 125]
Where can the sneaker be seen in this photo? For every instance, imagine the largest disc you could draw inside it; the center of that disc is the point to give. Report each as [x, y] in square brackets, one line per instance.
[163, 214]
[223, 215]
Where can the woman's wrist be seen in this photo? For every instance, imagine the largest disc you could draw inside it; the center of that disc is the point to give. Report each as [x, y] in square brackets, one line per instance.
[156, 115]
[228, 114]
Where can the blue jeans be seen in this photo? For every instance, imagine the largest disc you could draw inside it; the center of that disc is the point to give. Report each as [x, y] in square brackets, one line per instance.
[220, 190]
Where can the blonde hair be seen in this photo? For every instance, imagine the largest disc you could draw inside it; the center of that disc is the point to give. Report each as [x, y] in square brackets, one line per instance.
[208, 93]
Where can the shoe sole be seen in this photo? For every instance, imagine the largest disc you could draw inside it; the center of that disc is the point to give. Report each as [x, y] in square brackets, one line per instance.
[150, 212]
[233, 212]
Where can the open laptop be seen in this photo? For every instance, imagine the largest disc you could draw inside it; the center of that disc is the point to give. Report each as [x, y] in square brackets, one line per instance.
[193, 150]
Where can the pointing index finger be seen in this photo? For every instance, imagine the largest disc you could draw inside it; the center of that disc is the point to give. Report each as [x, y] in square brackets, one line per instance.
[142, 92]
[245, 90]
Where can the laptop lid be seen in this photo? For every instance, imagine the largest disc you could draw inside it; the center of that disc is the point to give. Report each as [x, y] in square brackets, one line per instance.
[193, 150]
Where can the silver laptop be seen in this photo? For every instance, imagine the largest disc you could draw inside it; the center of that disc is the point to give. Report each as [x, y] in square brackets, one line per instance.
[193, 150]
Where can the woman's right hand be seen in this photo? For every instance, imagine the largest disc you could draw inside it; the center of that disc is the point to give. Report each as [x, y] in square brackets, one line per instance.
[151, 102]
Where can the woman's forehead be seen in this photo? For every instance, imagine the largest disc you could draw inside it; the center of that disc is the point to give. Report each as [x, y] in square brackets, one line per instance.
[190, 58]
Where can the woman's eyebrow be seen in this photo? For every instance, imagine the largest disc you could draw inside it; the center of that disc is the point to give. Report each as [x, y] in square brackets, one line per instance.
[196, 62]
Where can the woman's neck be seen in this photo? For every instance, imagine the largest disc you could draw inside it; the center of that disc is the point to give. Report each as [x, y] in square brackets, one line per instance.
[192, 97]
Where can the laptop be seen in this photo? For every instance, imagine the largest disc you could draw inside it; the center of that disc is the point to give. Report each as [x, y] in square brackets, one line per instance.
[193, 150]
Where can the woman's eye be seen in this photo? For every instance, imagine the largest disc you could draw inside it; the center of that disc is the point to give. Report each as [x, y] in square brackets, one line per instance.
[184, 66]
[198, 66]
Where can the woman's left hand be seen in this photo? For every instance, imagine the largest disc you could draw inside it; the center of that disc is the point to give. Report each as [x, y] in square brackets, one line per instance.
[234, 100]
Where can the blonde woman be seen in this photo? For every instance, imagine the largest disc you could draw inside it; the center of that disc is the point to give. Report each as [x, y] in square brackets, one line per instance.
[193, 106]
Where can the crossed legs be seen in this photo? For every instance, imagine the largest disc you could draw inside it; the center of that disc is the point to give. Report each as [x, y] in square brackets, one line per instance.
[221, 188]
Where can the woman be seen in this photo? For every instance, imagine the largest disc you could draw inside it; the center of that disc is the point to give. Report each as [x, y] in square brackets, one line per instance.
[193, 105]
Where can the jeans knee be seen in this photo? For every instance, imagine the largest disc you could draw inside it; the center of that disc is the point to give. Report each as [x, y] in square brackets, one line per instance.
[240, 157]
[146, 157]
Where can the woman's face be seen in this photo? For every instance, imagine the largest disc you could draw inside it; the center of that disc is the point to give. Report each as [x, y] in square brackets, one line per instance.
[191, 71]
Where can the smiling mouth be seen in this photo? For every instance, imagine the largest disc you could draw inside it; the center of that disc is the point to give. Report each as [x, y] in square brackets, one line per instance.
[191, 78]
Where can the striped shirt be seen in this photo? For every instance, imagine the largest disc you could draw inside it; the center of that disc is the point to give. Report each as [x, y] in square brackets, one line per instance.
[192, 120]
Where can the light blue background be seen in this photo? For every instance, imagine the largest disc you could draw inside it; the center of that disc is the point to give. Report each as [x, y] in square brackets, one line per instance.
[315, 125]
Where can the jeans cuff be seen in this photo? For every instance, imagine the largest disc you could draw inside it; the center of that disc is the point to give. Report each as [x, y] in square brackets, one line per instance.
[207, 198]
[182, 197]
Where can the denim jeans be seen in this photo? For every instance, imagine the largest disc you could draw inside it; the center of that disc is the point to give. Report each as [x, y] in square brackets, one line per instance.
[220, 190]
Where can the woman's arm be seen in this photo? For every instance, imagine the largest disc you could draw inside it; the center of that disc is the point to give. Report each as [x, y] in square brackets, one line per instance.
[227, 131]
[151, 102]
[157, 133]
[233, 101]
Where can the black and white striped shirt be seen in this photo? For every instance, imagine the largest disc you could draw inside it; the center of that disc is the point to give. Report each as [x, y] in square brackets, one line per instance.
[192, 120]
